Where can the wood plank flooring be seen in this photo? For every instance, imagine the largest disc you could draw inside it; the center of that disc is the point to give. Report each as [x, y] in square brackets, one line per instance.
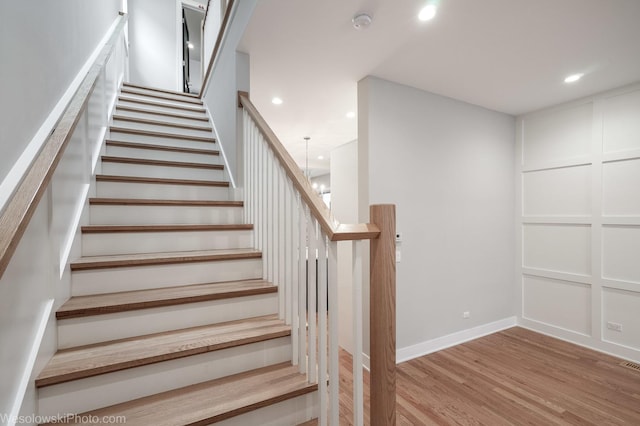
[514, 377]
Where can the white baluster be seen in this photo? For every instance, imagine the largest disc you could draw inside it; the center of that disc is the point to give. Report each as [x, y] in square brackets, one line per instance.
[295, 276]
[357, 335]
[287, 224]
[322, 328]
[302, 286]
[334, 350]
[263, 207]
[281, 236]
[312, 293]
[275, 257]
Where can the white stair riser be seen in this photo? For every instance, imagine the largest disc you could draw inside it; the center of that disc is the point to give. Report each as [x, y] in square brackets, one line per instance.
[111, 280]
[160, 128]
[102, 328]
[144, 170]
[162, 108]
[292, 411]
[82, 395]
[155, 154]
[161, 140]
[158, 215]
[167, 119]
[141, 91]
[113, 243]
[168, 102]
[154, 191]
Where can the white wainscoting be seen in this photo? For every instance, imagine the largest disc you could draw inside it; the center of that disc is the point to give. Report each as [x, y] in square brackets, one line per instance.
[579, 218]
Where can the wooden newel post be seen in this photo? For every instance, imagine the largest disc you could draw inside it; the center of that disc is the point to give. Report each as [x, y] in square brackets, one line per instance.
[382, 316]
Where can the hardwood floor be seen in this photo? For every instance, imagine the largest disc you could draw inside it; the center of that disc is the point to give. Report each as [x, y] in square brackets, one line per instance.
[515, 377]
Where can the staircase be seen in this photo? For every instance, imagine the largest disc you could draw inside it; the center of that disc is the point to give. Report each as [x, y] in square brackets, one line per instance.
[170, 321]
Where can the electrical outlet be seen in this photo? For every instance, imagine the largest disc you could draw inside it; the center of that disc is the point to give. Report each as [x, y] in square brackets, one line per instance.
[614, 326]
[466, 315]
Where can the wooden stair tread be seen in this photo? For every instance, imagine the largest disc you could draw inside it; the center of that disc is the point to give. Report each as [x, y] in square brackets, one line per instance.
[161, 123]
[156, 89]
[160, 95]
[92, 360]
[160, 104]
[166, 181]
[165, 163]
[99, 304]
[149, 202]
[137, 145]
[162, 113]
[213, 401]
[102, 229]
[312, 422]
[161, 134]
[146, 259]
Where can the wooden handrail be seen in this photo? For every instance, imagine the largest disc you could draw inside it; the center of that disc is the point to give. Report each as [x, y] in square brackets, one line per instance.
[216, 48]
[334, 230]
[25, 199]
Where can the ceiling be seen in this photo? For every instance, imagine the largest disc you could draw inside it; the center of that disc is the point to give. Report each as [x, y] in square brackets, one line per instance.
[506, 55]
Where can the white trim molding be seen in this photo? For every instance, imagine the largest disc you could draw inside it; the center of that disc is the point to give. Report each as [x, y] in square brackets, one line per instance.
[444, 342]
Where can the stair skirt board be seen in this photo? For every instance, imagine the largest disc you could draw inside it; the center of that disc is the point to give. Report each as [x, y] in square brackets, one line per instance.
[163, 140]
[103, 328]
[95, 392]
[159, 215]
[160, 171]
[100, 281]
[161, 190]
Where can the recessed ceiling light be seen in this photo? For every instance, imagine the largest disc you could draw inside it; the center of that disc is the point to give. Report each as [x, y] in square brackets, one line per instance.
[320, 157]
[276, 101]
[315, 185]
[573, 78]
[190, 45]
[351, 114]
[428, 12]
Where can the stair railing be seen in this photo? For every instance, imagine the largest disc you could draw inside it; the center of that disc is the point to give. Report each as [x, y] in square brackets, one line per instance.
[298, 238]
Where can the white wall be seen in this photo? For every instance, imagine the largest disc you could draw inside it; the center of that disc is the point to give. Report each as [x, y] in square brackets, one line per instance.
[230, 73]
[37, 280]
[43, 46]
[195, 74]
[155, 40]
[211, 29]
[578, 219]
[448, 167]
[344, 207]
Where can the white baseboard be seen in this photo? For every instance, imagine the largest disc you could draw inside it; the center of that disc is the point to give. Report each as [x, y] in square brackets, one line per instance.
[589, 342]
[439, 343]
